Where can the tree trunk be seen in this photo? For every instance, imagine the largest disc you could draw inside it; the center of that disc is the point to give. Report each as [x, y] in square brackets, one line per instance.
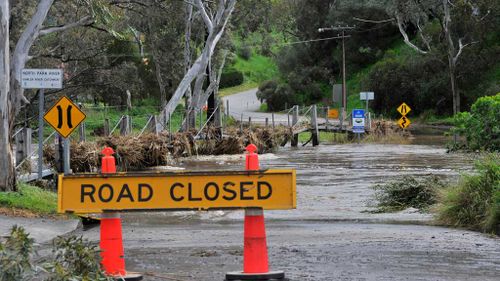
[452, 55]
[8, 174]
[216, 29]
[454, 89]
[190, 121]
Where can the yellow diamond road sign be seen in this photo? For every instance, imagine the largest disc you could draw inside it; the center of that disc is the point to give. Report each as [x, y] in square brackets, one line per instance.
[404, 122]
[64, 117]
[404, 109]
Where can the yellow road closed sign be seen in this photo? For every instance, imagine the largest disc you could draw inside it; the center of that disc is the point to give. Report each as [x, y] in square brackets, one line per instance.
[96, 193]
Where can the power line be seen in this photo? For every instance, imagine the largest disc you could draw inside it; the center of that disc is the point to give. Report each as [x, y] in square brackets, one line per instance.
[313, 40]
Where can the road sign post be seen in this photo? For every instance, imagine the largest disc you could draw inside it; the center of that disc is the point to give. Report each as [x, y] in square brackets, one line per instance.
[41, 79]
[367, 96]
[404, 109]
[65, 116]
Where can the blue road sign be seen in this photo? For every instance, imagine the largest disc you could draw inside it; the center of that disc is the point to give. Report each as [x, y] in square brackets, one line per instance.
[358, 121]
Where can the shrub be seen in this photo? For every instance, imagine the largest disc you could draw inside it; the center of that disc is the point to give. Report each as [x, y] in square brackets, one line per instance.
[283, 97]
[480, 127]
[266, 90]
[73, 259]
[408, 192]
[475, 202]
[15, 256]
[231, 78]
[245, 52]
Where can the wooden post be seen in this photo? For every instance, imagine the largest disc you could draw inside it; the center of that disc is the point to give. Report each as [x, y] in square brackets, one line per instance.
[314, 121]
[201, 119]
[154, 125]
[23, 144]
[272, 117]
[106, 127]
[227, 107]
[249, 122]
[170, 126]
[81, 132]
[130, 124]
[326, 118]
[125, 125]
[267, 122]
[241, 124]
[295, 120]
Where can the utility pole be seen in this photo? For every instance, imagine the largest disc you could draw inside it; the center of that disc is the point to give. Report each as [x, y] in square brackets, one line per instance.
[342, 29]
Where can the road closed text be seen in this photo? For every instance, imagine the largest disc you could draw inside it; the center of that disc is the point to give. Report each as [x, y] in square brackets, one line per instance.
[178, 191]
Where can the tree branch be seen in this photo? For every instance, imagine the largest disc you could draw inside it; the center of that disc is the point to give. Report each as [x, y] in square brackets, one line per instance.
[204, 15]
[405, 35]
[373, 21]
[461, 47]
[88, 20]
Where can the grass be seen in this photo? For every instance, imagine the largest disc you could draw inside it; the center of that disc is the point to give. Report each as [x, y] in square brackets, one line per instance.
[237, 89]
[407, 192]
[257, 69]
[30, 198]
[475, 202]
[324, 137]
[263, 107]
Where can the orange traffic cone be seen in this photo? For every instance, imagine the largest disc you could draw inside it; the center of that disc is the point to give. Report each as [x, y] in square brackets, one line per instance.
[111, 244]
[255, 261]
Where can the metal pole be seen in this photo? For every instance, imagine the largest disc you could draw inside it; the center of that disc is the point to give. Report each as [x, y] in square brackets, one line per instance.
[344, 86]
[272, 116]
[367, 126]
[41, 101]
[227, 107]
[66, 156]
[170, 126]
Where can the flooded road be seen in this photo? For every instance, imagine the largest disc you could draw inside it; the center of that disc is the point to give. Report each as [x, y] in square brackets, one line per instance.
[331, 235]
[334, 181]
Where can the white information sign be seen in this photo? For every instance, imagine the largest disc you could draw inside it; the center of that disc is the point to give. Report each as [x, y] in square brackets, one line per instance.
[367, 96]
[42, 78]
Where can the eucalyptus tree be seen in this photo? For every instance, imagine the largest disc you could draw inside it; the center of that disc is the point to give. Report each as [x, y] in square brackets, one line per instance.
[459, 23]
[215, 16]
[12, 96]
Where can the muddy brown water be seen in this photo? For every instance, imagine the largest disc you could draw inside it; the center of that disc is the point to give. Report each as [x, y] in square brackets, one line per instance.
[331, 235]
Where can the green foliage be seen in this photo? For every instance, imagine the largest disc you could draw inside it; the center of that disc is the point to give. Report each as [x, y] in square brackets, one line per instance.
[407, 192]
[325, 137]
[475, 202]
[15, 256]
[480, 127]
[276, 96]
[231, 78]
[257, 69]
[30, 198]
[245, 52]
[74, 259]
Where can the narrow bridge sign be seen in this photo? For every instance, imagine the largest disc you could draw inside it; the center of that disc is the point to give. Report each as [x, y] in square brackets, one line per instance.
[64, 117]
[96, 193]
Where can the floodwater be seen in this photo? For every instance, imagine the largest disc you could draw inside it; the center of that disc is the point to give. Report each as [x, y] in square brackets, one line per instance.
[334, 182]
[331, 235]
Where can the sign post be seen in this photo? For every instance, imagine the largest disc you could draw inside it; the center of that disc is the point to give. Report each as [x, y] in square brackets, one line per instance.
[404, 122]
[64, 117]
[41, 79]
[358, 122]
[367, 96]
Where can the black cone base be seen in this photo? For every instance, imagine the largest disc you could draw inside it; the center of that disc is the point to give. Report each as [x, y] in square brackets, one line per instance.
[240, 276]
[129, 277]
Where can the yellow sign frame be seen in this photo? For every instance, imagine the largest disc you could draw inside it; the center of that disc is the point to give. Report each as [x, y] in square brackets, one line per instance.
[53, 118]
[175, 191]
[404, 124]
[404, 106]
